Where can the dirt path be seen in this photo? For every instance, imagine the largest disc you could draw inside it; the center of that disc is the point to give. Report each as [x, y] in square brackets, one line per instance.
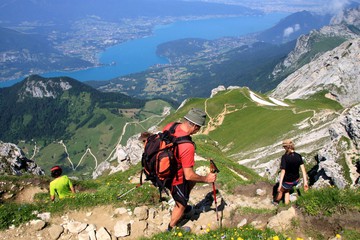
[104, 215]
[28, 193]
[215, 122]
[237, 205]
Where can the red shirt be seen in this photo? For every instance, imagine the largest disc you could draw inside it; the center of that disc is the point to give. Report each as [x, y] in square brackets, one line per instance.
[186, 153]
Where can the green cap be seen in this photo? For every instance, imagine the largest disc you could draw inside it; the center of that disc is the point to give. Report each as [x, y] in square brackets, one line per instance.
[196, 116]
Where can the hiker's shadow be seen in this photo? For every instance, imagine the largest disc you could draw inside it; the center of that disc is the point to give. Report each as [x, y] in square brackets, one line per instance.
[205, 205]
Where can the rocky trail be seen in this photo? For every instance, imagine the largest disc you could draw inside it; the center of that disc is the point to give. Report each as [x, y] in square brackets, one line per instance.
[249, 204]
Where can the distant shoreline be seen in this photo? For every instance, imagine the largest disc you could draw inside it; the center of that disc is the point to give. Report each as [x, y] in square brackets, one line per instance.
[139, 54]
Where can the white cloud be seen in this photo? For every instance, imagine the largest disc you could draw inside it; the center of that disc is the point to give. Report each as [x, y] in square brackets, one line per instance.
[297, 27]
[290, 30]
[335, 6]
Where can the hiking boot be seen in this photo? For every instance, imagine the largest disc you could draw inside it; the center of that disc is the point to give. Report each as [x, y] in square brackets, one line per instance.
[182, 228]
[189, 212]
[275, 203]
[185, 229]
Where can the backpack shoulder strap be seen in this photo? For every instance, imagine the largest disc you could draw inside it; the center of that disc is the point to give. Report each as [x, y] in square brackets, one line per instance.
[173, 127]
[182, 139]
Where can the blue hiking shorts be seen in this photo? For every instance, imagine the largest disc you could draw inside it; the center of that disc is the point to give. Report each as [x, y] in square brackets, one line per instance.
[290, 185]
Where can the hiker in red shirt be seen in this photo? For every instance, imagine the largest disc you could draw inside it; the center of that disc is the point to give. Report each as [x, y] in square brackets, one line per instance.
[186, 177]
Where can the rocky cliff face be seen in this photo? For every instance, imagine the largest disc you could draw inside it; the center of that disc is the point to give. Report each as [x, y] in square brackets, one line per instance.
[344, 135]
[336, 72]
[349, 16]
[123, 157]
[14, 162]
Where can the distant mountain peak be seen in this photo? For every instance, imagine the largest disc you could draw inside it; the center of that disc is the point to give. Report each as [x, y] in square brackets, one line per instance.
[293, 26]
[38, 87]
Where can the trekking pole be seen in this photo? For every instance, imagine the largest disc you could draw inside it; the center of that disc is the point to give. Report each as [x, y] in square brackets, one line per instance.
[138, 185]
[214, 169]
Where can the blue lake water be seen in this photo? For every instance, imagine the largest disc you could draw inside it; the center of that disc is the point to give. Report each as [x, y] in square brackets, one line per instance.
[138, 55]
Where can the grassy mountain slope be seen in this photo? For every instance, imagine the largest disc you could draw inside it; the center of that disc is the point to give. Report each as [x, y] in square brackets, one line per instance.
[253, 125]
[239, 124]
[44, 117]
[248, 128]
[89, 146]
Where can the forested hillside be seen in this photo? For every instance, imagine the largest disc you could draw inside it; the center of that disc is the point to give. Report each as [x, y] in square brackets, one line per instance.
[50, 109]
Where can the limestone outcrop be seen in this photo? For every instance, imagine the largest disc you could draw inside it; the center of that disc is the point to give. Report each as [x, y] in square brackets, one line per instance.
[14, 162]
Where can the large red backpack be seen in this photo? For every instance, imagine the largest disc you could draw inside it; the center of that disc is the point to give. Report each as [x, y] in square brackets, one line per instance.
[159, 159]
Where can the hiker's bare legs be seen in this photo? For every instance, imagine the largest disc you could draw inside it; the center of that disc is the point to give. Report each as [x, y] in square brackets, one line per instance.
[287, 198]
[282, 191]
[179, 209]
[177, 213]
[279, 196]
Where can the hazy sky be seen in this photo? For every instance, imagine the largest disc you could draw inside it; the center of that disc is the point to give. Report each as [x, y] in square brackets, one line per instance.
[329, 6]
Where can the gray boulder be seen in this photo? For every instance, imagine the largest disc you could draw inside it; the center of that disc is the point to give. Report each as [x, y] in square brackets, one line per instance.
[14, 162]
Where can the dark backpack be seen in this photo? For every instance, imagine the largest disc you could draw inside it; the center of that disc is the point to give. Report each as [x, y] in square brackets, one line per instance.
[159, 159]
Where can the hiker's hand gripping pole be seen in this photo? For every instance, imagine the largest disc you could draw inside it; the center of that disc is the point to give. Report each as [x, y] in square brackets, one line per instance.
[214, 169]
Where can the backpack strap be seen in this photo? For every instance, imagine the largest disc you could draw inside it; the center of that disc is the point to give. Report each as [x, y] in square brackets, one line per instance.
[182, 139]
[173, 127]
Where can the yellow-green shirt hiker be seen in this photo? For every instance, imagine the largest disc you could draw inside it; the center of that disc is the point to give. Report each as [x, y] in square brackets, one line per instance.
[61, 185]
